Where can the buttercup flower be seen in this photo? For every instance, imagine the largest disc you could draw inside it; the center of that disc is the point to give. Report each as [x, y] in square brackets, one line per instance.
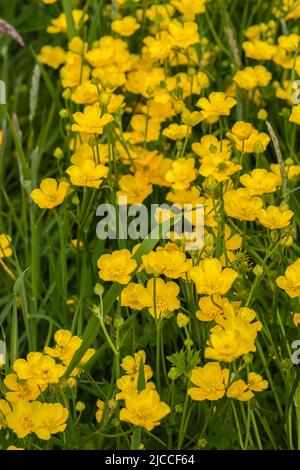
[290, 282]
[126, 26]
[52, 56]
[239, 390]
[134, 187]
[144, 409]
[48, 419]
[5, 248]
[59, 25]
[217, 104]
[240, 205]
[50, 194]
[182, 173]
[260, 182]
[210, 382]
[251, 77]
[234, 335]
[163, 297]
[256, 383]
[183, 35]
[100, 409]
[87, 173]
[117, 267]
[135, 296]
[90, 121]
[274, 218]
[295, 116]
[210, 279]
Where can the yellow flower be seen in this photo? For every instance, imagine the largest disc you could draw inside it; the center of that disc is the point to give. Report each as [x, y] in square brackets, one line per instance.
[210, 382]
[48, 419]
[100, 409]
[289, 42]
[85, 93]
[52, 56]
[59, 24]
[20, 418]
[163, 297]
[144, 409]
[291, 170]
[183, 35]
[217, 104]
[126, 26]
[38, 368]
[251, 77]
[189, 8]
[247, 139]
[210, 279]
[154, 262]
[218, 168]
[20, 389]
[90, 122]
[135, 296]
[290, 282]
[209, 146]
[240, 205]
[185, 196]
[14, 447]
[176, 264]
[183, 172]
[259, 50]
[239, 390]
[210, 308]
[158, 47]
[234, 334]
[65, 346]
[176, 131]
[5, 409]
[117, 266]
[296, 319]
[134, 187]
[5, 249]
[256, 382]
[127, 385]
[260, 181]
[50, 194]
[87, 173]
[283, 91]
[131, 364]
[274, 217]
[144, 130]
[295, 116]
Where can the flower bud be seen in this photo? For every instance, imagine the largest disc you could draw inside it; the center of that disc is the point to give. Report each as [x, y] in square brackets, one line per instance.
[119, 322]
[80, 406]
[188, 343]
[99, 289]
[262, 115]
[173, 374]
[66, 94]
[58, 153]
[64, 113]
[182, 320]
[258, 270]
[112, 404]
